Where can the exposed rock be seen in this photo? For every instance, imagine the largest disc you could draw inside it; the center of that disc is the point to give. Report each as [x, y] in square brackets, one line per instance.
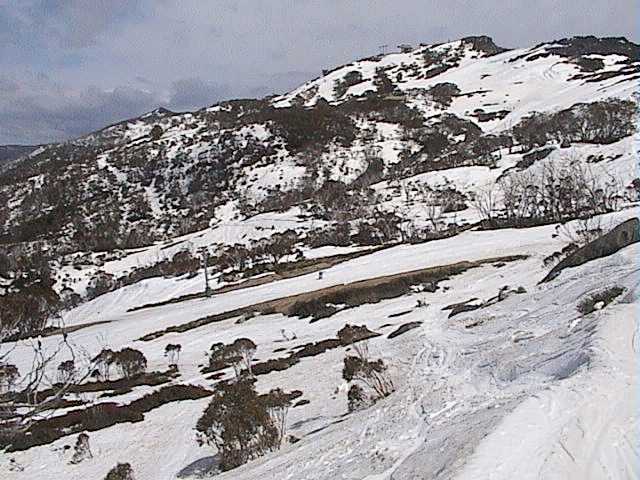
[484, 44]
[623, 235]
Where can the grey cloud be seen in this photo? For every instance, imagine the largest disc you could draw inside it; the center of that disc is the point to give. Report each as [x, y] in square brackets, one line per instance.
[56, 113]
[190, 53]
[192, 93]
[68, 23]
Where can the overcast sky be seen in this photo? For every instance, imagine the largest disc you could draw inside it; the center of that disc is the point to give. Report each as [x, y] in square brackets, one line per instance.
[68, 67]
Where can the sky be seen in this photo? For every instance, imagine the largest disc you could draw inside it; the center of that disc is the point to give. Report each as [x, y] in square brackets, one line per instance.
[69, 67]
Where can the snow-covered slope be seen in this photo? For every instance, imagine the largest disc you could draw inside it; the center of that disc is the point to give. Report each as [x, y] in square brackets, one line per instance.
[525, 388]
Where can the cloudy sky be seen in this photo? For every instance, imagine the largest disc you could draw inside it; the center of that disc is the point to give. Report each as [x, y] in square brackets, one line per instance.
[68, 67]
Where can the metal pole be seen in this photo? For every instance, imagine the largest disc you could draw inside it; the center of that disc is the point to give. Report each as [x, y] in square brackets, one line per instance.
[205, 265]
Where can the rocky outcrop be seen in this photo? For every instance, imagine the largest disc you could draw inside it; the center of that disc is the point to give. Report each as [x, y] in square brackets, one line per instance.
[623, 235]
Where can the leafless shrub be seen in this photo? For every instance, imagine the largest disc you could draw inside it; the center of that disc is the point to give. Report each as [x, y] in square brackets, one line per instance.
[371, 374]
[484, 202]
[556, 192]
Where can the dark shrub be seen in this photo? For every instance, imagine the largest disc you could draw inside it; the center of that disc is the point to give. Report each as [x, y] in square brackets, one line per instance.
[130, 362]
[357, 399]
[342, 85]
[368, 373]
[121, 471]
[156, 132]
[443, 93]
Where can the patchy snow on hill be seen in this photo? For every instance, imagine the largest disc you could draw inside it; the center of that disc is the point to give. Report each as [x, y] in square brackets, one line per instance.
[496, 375]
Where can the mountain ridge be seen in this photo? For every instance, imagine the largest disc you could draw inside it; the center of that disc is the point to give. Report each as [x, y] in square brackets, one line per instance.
[355, 131]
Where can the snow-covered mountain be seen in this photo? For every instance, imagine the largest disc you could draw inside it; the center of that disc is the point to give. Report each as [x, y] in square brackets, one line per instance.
[166, 174]
[424, 195]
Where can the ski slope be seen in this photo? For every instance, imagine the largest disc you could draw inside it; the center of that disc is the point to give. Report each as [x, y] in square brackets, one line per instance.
[469, 402]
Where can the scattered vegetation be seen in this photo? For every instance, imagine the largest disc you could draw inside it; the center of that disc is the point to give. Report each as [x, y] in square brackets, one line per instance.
[601, 122]
[551, 194]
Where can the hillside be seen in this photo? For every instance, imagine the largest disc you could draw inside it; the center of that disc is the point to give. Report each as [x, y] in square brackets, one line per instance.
[402, 213]
[12, 152]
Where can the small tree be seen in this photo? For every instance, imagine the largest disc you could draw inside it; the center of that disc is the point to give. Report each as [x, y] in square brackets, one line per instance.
[103, 362]
[278, 403]
[237, 423]
[66, 371]
[156, 132]
[279, 245]
[121, 471]
[245, 349]
[173, 352]
[130, 362]
[216, 356]
[484, 202]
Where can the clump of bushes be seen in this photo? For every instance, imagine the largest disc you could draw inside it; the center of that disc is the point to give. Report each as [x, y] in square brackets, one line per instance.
[601, 122]
[238, 354]
[128, 361]
[553, 193]
[443, 93]
[369, 377]
[370, 381]
[338, 235]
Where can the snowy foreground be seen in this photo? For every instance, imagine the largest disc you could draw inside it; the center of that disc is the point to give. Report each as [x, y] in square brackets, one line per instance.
[524, 388]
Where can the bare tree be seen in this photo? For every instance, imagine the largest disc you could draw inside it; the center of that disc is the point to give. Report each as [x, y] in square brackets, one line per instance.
[245, 349]
[485, 202]
[278, 403]
[37, 392]
[66, 371]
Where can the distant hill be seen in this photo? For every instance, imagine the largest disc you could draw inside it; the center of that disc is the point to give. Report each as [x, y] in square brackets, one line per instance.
[11, 152]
